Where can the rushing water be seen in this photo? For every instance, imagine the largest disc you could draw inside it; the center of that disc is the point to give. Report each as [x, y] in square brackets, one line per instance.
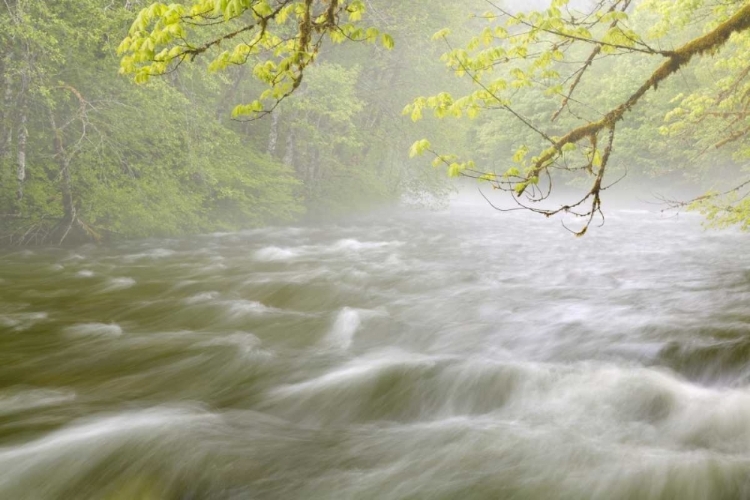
[458, 355]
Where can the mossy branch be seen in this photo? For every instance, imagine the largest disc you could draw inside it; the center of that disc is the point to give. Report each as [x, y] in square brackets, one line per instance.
[708, 43]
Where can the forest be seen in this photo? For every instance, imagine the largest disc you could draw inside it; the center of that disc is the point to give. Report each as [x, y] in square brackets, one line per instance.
[128, 119]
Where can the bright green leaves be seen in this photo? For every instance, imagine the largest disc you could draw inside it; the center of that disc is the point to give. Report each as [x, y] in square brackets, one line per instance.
[387, 41]
[443, 105]
[154, 28]
[416, 113]
[455, 168]
[415, 109]
[520, 154]
[283, 15]
[519, 54]
[484, 39]
[247, 31]
[569, 148]
[261, 9]
[616, 38]
[419, 148]
[442, 34]
[247, 109]
[512, 172]
[356, 9]
[520, 79]
[596, 158]
[724, 210]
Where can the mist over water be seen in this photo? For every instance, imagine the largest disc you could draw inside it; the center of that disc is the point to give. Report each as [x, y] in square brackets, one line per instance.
[462, 354]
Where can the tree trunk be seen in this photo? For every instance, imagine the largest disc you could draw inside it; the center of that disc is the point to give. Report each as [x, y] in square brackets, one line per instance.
[313, 168]
[6, 122]
[231, 95]
[273, 134]
[69, 211]
[23, 134]
[290, 145]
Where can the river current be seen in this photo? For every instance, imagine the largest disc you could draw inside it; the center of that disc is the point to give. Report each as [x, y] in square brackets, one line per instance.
[464, 354]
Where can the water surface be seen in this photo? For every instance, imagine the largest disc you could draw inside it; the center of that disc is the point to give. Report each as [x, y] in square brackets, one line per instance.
[464, 354]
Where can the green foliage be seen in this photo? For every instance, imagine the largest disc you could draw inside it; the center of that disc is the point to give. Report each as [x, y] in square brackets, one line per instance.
[279, 39]
[190, 176]
[174, 155]
[184, 152]
[137, 161]
[546, 96]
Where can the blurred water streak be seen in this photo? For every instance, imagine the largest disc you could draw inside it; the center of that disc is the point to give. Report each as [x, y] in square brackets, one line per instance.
[464, 354]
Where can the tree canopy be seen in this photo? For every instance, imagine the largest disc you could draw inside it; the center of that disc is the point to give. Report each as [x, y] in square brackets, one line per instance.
[550, 53]
[86, 155]
[549, 56]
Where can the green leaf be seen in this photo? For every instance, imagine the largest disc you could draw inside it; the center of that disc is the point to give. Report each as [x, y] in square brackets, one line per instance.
[440, 35]
[416, 113]
[419, 147]
[387, 41]
[455, 169]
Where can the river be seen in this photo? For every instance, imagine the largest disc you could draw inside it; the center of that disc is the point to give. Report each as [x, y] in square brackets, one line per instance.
[464, 354]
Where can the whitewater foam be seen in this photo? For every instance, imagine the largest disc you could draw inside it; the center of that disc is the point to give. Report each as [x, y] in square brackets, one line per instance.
[344, 328]
[275, 254]
[94, 330]
[115, 284]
